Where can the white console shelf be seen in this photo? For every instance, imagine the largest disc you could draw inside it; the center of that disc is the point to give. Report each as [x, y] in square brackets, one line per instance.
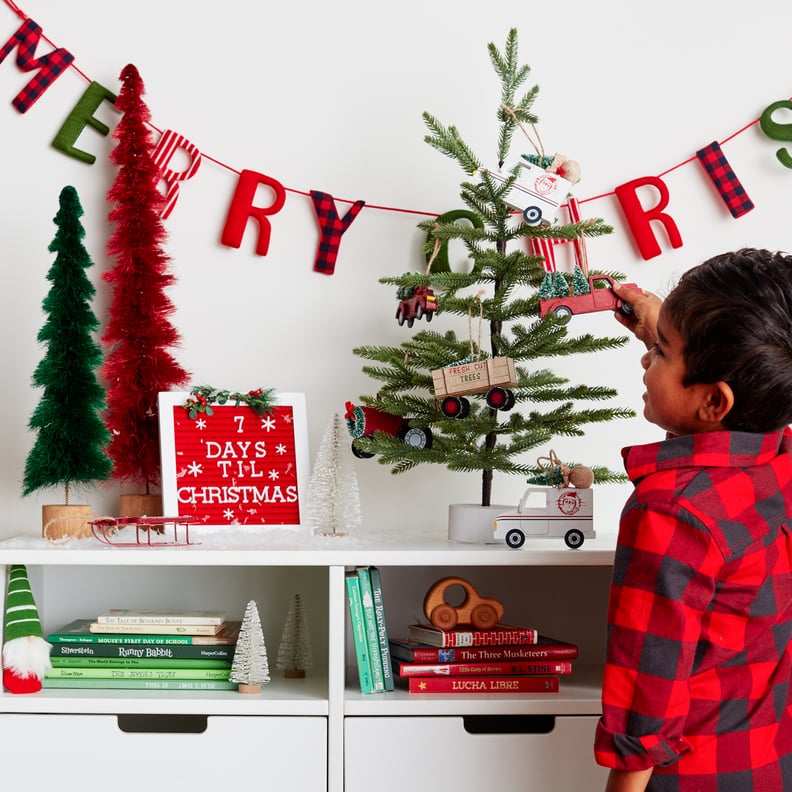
[562, 592]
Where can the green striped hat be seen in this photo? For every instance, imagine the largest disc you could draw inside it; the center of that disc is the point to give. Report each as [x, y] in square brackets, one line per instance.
[21, 616]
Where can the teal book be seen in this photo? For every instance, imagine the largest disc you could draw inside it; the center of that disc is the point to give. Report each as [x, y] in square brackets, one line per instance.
[370, 620]
[358, 632]
[382, 627]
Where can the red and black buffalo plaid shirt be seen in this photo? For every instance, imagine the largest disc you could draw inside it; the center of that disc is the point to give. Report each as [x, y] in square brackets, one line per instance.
[698, 670]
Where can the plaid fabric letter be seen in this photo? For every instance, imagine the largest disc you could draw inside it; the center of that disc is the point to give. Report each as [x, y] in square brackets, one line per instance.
[50, 66]
[332, 229]
[716, 165]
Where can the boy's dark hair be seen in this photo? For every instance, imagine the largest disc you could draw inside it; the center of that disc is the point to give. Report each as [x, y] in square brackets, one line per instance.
[734, 315]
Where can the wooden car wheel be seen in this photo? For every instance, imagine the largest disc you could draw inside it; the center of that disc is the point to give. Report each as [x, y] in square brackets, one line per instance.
[444, 616]
[483, 617]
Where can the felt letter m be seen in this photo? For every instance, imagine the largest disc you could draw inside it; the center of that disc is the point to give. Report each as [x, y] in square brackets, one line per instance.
[332, 228]
[50, 66]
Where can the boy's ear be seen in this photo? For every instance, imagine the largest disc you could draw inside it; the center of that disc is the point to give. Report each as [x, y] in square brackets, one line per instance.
[718, 401]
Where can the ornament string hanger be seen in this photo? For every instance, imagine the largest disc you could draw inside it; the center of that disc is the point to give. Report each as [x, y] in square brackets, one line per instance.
[473, 354]
[538, 146]
[435, 251]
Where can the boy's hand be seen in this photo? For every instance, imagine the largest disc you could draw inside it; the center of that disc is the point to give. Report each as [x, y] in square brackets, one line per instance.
[642, 320]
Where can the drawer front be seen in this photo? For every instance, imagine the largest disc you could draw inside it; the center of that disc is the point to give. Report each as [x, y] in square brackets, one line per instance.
[491, 752]
[131, 753]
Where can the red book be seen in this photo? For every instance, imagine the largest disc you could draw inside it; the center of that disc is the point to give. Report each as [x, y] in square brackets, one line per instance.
[544, 649]
[500, 635]
[481, 669]
[541, 683]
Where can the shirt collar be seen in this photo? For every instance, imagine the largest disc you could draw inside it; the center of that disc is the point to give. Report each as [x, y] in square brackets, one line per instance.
[708, 449]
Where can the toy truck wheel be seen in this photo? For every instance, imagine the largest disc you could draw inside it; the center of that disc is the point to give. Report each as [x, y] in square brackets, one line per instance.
[419, 312]
[515, 538]
[532, 215]
[415, 437]
[455, 407]
[360, 453]
[500, 399]
[400, 316]
[483, 617]
[573, 538]
[562, 312]
[443, 617]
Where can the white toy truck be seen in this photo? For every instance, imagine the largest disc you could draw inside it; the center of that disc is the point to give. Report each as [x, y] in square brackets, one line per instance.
[537, 193]
[549, 511]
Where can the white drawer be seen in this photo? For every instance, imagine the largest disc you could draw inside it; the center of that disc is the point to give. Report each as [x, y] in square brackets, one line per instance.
[162, 750]
[479, 753]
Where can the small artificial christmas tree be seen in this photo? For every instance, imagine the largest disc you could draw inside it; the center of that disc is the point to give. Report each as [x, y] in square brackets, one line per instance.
[334, 499]
[138, 334]
[71, 437]
[250, 667]
[294, 653]
[501, 292]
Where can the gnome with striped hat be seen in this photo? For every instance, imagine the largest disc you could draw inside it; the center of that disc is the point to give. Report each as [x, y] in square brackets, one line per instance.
[25, 652]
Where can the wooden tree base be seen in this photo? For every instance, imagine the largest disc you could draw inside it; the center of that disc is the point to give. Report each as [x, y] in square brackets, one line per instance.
[249, 688]
[294, 673]
[140, 505]
[63, 520]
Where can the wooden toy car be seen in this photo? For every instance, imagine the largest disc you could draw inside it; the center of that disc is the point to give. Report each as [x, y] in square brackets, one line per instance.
[363, 421]
[549, 511]
[482, 612]
[601, 297]
[422, 303]
[494, 375]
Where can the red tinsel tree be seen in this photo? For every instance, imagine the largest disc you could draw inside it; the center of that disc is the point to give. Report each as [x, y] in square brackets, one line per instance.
[138, 335]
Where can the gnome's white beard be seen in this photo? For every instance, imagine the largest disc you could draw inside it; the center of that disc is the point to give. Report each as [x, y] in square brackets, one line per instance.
[28, 656]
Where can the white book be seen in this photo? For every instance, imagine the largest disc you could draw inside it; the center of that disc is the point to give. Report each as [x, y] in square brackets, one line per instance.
[161, 617]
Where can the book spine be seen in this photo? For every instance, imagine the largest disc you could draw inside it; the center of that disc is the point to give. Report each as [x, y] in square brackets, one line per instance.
[542, 683]
[123, 651]
[140, 684]
[155, 629]
[382, 627]
[479, 654]
[482, 669]
[457, 638]
[135, 662]
[97, 672]
[372, 637]
[169, 619]
[358, 632]
[69, 638]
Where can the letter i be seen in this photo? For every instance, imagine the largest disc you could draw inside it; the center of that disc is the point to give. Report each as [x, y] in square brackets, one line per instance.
[714, 162]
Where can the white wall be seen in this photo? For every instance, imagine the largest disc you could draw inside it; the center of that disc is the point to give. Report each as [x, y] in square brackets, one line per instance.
[330, 97]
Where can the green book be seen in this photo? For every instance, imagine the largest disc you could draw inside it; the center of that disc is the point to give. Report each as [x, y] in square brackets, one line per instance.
[139, 684]
[358, 632]
[97, 672]
[79, 631]
[123, 651]
[370, 620]
[382, 627]
[135, 662]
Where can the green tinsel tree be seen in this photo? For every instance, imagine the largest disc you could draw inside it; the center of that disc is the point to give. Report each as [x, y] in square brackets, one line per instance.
[71, 435]
[502, 292]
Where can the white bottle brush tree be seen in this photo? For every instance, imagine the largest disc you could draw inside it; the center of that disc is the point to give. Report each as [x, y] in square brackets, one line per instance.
[334, 498]
[502, 287]
[294, 653]
[250, 667]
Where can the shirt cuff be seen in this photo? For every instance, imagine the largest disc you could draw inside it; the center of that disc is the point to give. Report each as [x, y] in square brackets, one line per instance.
[625, 752]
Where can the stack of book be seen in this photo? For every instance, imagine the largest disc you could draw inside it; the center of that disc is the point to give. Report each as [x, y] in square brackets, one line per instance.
[369, 630]
[147, 650]
[504, 659]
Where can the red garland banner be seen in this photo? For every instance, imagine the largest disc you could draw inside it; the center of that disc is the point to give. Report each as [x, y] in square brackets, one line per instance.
[638, 217]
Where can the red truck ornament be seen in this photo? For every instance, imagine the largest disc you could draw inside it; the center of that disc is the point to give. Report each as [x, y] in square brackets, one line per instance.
[422, 303]
[363, 421]
[600, 297]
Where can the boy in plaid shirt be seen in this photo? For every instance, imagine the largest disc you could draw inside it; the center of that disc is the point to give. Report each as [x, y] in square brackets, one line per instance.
[696, 692]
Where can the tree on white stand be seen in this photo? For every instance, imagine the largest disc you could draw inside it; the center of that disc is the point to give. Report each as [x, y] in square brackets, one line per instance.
[250, 667]
[294, 653]
[334, 499]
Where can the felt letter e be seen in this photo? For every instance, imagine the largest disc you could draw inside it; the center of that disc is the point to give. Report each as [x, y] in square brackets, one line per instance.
[639, 219]
[242, 209]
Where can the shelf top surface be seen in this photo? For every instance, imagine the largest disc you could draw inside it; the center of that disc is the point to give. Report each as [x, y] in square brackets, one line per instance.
[277, 547]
